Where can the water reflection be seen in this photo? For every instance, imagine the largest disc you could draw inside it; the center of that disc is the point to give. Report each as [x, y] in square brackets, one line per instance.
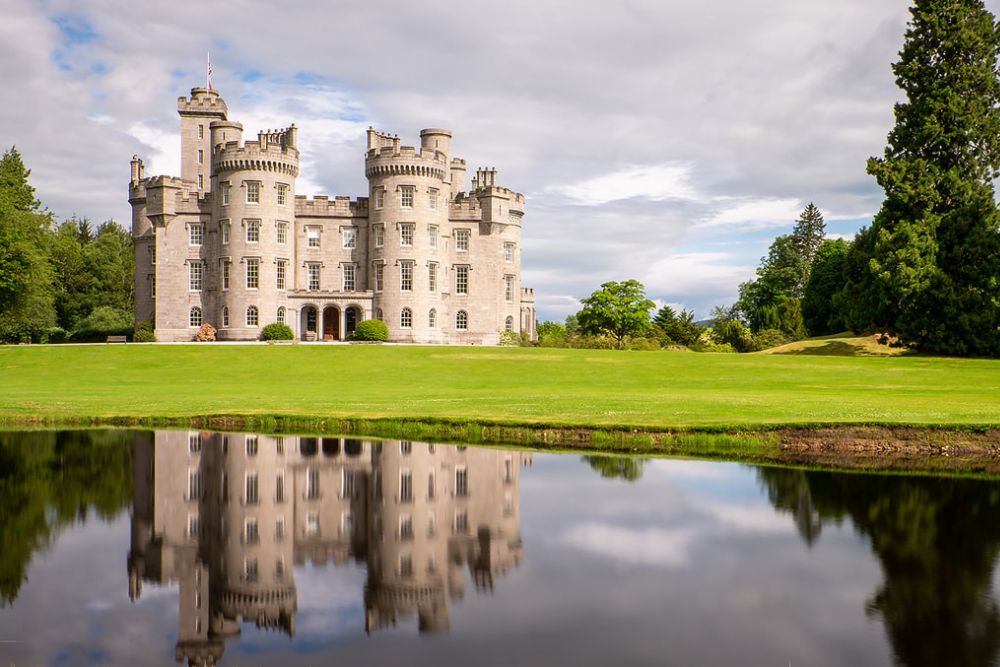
[937, 540]
[226, 516]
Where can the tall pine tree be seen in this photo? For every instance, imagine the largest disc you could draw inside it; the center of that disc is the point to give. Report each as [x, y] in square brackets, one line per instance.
[928, 267]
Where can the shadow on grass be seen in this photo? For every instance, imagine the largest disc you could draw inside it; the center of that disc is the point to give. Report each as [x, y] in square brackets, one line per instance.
[839, 348]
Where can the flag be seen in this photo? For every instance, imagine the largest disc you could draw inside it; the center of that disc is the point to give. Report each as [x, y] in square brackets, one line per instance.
[210, 71]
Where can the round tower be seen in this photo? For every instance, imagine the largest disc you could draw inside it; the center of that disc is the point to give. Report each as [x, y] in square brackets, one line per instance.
[408, 217]
[254, 201]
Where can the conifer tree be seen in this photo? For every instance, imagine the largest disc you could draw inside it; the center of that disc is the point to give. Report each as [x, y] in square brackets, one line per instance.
[927, 268]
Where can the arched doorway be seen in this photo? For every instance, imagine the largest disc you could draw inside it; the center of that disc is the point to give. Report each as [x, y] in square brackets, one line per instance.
[310, 323]
[331, 323]
[351, 318]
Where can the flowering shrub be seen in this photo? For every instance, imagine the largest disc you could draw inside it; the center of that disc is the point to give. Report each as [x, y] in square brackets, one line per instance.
[206, 332]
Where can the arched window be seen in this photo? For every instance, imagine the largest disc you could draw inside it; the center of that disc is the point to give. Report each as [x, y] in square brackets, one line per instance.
[225, 316]
[252, 318]
[462, 320]
[432, 318]
[378, 315]
[281, 315]
[509, 323]
[406, 318]
[194, 317]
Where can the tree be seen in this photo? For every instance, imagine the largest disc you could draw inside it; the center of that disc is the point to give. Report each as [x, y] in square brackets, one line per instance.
[617, 309]
[627, 468]
[809, 232]
[26, 289]
[929, 266]
[826, 278]
[679, 329]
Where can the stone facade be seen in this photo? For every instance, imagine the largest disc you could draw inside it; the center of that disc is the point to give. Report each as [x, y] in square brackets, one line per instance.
[227, 517]
[229, 243]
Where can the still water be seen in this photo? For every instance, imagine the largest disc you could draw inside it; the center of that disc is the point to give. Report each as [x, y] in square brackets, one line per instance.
[141, 548]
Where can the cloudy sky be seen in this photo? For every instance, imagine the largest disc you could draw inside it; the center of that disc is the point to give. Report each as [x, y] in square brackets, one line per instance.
[667, 141]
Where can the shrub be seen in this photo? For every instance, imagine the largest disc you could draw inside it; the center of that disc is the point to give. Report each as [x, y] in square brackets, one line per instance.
[102, 322]
[144, 332]
[53, 335]
[768, 338]
[206, 333]
[510, 339]
[643, 344]
[371, 330]
[277, 331]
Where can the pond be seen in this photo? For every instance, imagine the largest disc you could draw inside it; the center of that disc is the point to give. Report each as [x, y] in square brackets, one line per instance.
[129, 547]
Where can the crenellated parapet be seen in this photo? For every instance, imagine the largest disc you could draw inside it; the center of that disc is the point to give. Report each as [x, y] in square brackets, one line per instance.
[527, 295]
[386, 157]
[322, 205]
[203, 102]
[274, 151]
[465, 208]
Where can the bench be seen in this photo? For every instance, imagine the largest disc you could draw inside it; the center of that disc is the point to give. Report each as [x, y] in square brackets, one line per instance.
[117, 339]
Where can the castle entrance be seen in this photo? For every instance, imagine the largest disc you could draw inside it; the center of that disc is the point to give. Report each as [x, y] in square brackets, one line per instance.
[351, 318]
[331, 323]
[309, 323]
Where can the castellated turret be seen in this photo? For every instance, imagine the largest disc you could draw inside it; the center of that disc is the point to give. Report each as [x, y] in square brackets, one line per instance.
[230, 244]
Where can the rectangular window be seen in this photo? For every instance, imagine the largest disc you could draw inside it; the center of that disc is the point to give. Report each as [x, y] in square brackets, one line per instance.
[279, 488]
[312, 524]
[461, 482]
[432, 231]
[462, 522]
[224, 231]
[201, 154]
[253, 192]
[251, 445]
[250, 569]
[253, 231]
[279, 276]
[251, 497]
[194, 526]
[279, 568]
[313, 277]
[350, 237]
[312, 236]
[406, 528]
[462, 240]
[379, 276]
[194, 442]
[430, 485]
[379, 197]
[348, 277]
[406, 566]
[508, 291]
[225, 273]
[432, 276]
[281, 232]
[379, 232]
[405, 486]
[152, 286]
[406, 234]
[151, 251]
[196, 234]
[312, 483]
[279, 529]
[282, 194]
[432, 196]
[348, 484]
[508, 252]
[251, 535]
[225, 194]
[194, 485]
[201, 181]
[461, 280]
[406, 196]
[406, 276]
[201, 134]
[195, 274]
[253, 273]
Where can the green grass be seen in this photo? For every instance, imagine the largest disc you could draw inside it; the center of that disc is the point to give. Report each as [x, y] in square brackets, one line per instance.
[841, 345]
[592, 389]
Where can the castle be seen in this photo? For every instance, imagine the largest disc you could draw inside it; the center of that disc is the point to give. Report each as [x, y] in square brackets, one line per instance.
[226, 517]
[230, 244]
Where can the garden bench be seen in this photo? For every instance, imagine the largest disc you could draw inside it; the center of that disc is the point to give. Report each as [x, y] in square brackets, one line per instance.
[117, 339]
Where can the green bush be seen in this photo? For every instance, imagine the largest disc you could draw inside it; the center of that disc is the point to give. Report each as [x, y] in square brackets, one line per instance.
[768, 338]
[375, 330]
[510, 339]
[53, 335]
[102, 322]
[144, 332]
[643, 344]
[276, 331]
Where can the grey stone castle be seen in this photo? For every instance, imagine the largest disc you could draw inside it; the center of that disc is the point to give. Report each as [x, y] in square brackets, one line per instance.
[229, 243]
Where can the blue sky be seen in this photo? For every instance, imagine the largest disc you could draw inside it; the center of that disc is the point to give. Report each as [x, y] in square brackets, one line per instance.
[668, 142]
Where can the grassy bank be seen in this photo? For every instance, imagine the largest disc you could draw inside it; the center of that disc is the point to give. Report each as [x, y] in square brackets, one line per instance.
[591, 389]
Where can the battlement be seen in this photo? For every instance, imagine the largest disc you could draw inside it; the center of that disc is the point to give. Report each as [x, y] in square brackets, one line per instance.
[274, 150]
[527, 295]
[203, 102]
[484, 185]
[340, 207]
[465, 208]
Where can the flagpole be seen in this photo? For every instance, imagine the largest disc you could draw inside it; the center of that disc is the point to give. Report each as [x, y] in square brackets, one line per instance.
[209, 69]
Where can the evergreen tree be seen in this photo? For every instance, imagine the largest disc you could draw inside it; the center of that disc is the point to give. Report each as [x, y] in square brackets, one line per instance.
[929, 266]
[808, 234]
[826, 278]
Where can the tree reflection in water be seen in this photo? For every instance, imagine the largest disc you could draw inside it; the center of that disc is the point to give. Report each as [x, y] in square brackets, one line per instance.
[937, 540]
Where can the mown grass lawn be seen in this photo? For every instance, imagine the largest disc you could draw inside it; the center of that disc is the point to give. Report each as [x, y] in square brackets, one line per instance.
[652, 390]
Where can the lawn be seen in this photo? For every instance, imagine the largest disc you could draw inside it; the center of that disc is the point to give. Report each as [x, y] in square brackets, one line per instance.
[592, 388]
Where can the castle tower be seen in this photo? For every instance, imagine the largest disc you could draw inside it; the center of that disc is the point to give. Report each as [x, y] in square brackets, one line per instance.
[197, 114]
[410, 192]
[254, 218]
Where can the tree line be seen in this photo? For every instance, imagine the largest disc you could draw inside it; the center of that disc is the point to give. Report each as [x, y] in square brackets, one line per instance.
[59, 281]
[925, 273]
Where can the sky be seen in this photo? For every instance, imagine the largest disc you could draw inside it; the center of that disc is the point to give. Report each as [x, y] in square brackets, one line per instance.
[666, 141]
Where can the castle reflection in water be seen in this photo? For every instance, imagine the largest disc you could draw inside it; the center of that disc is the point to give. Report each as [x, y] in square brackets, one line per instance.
[227, 516]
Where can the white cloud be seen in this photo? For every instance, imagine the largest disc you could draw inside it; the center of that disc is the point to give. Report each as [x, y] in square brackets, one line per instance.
[654, 182]
[651, 546]
[753, 214]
